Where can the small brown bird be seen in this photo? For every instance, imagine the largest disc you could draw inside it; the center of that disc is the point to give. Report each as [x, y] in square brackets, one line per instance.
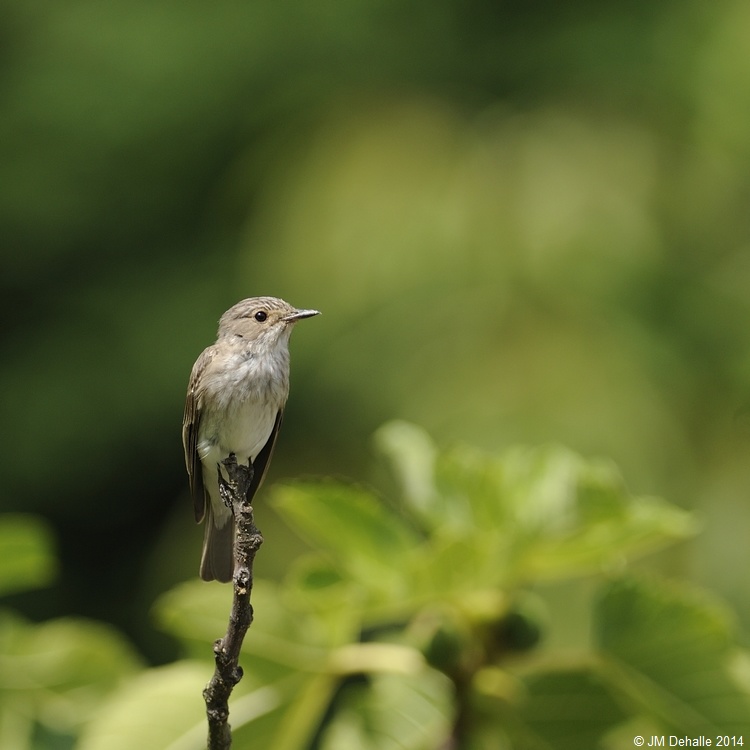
[235, 400]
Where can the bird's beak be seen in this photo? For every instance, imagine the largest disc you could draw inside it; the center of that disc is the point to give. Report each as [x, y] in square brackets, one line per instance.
[299, 314]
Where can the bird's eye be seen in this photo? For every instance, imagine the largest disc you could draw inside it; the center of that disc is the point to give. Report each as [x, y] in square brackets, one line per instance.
[260, 316]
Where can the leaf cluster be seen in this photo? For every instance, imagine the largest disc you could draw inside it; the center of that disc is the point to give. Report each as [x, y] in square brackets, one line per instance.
[417, 622]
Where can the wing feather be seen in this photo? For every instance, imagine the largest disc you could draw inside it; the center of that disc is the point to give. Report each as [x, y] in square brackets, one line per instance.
[263, 459]
[190, 427]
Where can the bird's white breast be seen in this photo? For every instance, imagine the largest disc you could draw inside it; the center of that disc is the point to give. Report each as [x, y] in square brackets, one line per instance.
[242, 397]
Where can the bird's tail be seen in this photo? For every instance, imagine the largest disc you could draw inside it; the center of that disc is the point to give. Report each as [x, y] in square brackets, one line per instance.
[217, 561]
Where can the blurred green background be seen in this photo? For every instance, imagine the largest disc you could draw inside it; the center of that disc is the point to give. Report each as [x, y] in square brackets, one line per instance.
[522, 222]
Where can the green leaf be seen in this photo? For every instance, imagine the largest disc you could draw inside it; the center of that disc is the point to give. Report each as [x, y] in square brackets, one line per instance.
[493, 522]
[317, 583]
[196, 613]
[450, 568]
[314, 585]
[286, 657]
[567, 710]
[357, 532]
[58, 673]
[675, 653]
[303, 702]
[553, 514]
[641, 525]
[160, 709]
[281, 640]
[392, 712]
[412, 455]
[473, 491]
[163, 709]
[27, 560]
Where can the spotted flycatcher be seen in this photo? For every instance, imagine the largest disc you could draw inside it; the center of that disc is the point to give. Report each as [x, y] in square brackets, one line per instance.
[235, 399]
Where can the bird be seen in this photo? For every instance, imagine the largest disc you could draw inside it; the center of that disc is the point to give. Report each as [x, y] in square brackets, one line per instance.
[235, 402]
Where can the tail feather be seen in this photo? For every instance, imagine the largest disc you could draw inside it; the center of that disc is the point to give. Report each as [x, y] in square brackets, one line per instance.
[217, 561]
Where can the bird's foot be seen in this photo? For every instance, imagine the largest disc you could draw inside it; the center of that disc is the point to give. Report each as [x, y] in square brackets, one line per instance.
[239, 479]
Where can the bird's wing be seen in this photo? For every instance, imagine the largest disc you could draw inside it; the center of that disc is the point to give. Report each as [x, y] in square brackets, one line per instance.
[190, 426]
[263, 459]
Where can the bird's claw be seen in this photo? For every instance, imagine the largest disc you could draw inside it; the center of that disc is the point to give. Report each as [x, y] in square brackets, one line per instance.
[239, 474]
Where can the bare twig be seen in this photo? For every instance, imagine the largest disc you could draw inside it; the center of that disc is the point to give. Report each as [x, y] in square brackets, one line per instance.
[227, 649]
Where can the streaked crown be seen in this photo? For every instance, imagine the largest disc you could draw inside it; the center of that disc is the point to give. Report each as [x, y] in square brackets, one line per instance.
[253, 317]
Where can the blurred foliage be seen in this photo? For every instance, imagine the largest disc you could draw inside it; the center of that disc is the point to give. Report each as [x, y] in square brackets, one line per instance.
[422, 617]
[54, 676]
[523, 223]
[26, 557]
